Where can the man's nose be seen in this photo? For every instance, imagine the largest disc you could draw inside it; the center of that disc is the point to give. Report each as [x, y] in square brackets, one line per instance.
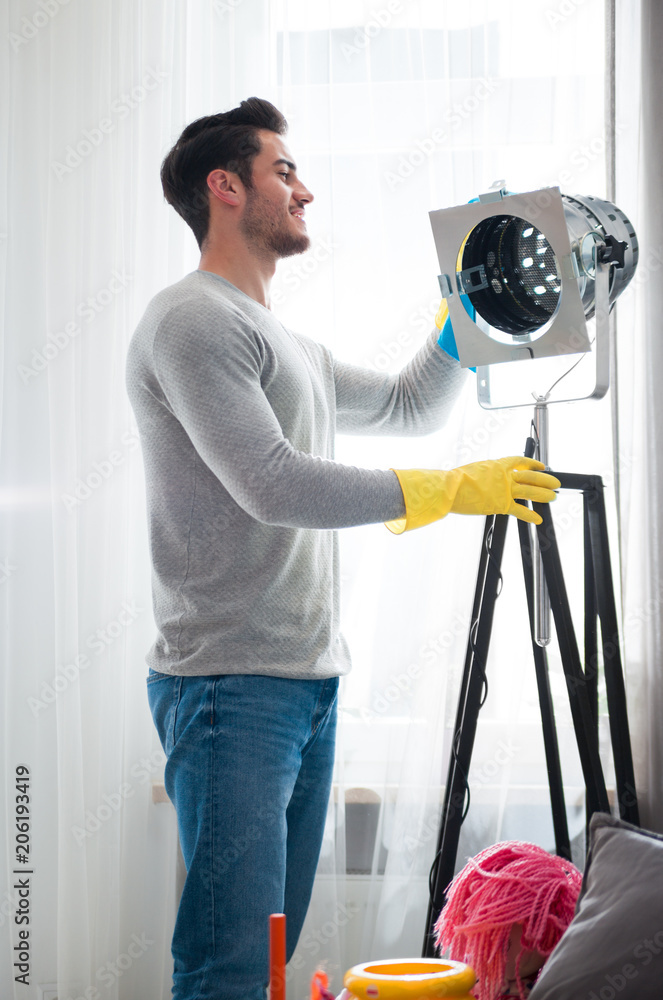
[302, 194]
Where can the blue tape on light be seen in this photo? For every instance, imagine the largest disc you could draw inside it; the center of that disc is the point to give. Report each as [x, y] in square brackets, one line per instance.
[446, 340]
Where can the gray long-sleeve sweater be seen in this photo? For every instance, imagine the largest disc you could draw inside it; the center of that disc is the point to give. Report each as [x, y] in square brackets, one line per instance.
[237, 417]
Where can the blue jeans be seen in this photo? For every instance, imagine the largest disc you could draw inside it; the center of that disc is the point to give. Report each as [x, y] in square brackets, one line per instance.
[249, 771]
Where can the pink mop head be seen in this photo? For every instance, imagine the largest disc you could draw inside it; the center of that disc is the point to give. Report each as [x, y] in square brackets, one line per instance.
[509, 883]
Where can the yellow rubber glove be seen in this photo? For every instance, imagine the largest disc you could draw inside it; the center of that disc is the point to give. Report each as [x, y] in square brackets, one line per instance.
[442, 314]
[489, 487]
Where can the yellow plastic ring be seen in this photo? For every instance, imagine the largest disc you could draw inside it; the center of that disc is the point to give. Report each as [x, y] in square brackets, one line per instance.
[409, 978]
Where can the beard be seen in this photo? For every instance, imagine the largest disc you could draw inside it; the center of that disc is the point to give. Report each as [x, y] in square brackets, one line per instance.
[269, 230]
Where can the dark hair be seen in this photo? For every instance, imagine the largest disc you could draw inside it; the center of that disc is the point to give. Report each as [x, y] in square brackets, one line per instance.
[226, 141]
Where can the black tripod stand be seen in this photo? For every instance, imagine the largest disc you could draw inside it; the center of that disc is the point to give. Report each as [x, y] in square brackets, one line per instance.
[582, 683]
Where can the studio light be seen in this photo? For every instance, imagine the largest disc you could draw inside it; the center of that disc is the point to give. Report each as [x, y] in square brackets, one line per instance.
[521, 275]
[532, 267]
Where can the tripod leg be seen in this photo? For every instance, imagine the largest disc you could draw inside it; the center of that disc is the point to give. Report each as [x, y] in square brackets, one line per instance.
[597, 796]
[550, 742]
[591, 658]
[591, 611]
[612, 663]
[469, 703]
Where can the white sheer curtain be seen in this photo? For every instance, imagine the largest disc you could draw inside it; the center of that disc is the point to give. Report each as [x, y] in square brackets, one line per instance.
[639, 149]
[395, 109]
[93, 95]
[515, 98]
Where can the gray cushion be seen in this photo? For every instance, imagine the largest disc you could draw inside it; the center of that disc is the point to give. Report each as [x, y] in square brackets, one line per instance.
[613, 948]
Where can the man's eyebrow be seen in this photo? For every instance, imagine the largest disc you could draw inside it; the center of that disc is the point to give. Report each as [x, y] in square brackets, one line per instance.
[288, 163]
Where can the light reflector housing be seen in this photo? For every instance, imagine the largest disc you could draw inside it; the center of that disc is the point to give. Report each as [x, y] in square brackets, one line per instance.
[527, 264]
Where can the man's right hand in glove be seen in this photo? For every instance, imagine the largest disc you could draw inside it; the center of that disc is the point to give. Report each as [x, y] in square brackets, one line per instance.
[489, 487]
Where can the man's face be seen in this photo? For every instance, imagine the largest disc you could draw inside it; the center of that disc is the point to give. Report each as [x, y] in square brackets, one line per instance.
[273, 218]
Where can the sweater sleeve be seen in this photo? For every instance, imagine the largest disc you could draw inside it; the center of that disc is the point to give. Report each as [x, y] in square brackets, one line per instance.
[209, 370]
[416, 401]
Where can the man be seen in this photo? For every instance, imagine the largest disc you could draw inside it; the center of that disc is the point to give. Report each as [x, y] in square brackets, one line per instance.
[237, 417]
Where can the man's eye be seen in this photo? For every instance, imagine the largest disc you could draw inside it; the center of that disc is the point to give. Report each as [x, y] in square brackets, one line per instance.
[283, 173]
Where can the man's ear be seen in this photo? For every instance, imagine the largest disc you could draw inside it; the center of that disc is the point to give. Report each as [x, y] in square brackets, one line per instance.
[225, 186]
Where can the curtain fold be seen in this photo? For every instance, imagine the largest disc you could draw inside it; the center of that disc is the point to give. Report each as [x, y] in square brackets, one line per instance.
[639, 149]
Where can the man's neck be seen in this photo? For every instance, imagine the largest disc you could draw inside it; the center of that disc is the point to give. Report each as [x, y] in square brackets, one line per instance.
[250, 274]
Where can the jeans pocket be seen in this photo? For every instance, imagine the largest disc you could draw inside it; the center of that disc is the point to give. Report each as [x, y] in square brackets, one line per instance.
[164, 692]
[155, 676]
